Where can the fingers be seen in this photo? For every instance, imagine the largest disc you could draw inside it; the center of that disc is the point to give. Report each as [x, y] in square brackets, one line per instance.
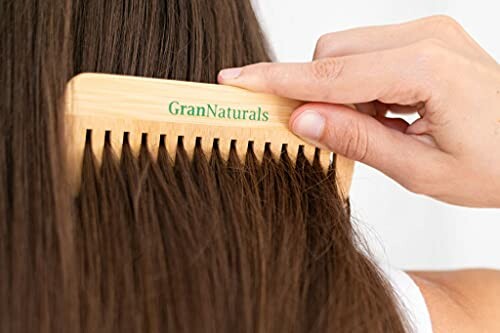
[357, 136]
[372, 39]
[399, 76]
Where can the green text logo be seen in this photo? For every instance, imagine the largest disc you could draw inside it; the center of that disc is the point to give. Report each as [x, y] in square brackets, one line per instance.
[215, 111]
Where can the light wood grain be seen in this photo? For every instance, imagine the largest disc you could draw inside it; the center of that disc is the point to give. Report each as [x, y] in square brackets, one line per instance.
[119, 104]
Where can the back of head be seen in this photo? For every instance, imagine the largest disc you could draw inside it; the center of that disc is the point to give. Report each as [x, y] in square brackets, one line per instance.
[151, 243]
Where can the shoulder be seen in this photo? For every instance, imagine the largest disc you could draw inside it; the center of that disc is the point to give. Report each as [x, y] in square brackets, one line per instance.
[461, 301]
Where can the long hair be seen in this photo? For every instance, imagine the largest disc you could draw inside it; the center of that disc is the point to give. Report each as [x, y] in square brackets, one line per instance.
[155, 243]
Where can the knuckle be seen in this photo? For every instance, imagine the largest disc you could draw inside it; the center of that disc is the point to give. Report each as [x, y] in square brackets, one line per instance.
[446, 23]
[441, 19]
[322, 46]
[273, 76]
[327, 69]
[267, 70]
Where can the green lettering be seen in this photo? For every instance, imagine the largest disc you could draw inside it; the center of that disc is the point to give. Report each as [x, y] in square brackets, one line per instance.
[265, 116]
[253, 115]
[237, 114]
[222, 113]
[183, 107]
[212, 110]
[201, 111]
[173, 107]
[191, 110]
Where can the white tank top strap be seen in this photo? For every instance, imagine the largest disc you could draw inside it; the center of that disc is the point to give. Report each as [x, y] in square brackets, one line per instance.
[411, 300]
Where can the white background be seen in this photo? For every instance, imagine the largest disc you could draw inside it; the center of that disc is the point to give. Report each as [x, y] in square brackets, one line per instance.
[410, 231]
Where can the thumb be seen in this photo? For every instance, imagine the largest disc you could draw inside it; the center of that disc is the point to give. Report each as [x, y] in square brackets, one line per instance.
[404, 157]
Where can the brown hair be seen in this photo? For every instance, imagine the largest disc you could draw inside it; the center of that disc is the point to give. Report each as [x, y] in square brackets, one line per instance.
[152, 243]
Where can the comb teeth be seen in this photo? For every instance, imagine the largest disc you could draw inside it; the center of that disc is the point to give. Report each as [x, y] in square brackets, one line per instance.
[153, 141]
[112, 109]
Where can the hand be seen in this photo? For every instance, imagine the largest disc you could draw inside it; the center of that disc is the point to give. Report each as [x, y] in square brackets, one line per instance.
[431, 67]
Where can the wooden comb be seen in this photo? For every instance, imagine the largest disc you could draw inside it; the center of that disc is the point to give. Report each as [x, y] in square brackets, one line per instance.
[166, 110]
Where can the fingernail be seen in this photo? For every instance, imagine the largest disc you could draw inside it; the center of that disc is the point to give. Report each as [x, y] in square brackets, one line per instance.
[230, 73]
[309, 125]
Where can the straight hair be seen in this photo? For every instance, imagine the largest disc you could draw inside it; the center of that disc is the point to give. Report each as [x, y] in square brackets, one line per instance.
[156, 243]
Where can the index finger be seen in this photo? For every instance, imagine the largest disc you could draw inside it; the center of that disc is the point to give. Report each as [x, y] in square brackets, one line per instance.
[398, 76]
[375, 38]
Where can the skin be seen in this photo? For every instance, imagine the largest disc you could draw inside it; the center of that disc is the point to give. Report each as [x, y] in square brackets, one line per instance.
[430, 67]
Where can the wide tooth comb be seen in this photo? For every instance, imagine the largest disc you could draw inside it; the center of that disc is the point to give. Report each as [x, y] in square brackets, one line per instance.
[124, 107]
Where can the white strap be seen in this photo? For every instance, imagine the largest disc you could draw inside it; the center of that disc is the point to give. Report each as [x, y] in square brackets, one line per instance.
[411, 300]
